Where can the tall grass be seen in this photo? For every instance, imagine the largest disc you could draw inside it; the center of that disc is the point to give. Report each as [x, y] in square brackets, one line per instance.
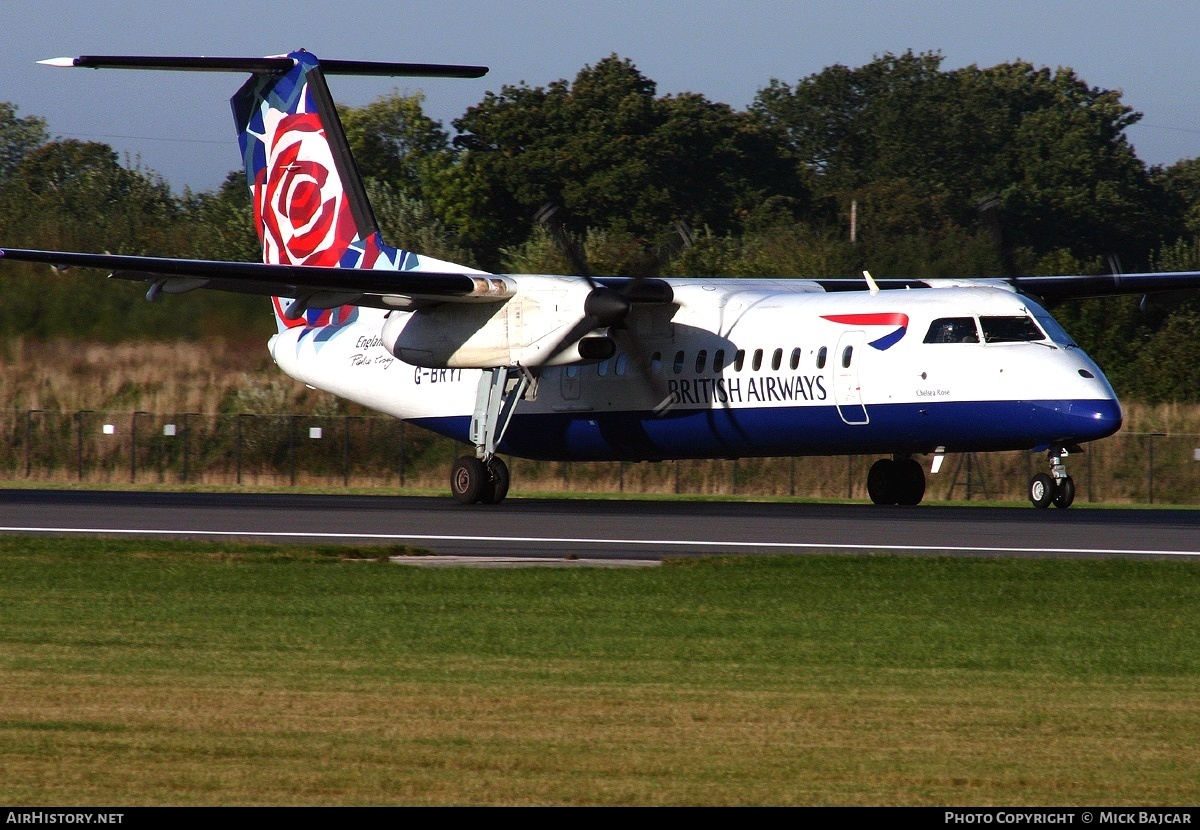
[215, 381]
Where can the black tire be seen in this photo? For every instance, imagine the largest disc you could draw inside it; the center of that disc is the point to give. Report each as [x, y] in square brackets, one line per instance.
[1042, 490]
[468, 477]
[910, 481]
[496, 487]
[881, 481]
[1065, 496]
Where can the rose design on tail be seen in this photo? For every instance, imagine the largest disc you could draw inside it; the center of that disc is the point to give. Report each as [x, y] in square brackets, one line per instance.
[299, 203]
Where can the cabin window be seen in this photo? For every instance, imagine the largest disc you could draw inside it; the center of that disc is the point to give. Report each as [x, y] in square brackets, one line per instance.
[678, 363]
[656, 362]
[1010, 330]
[739, 360]
[622, 364]
[719, 360]
[701, 359]
[756, 364]
[602, 368]
[822, 356]
[847, 356]
[952, 330]
[777, 359]
[795, 362]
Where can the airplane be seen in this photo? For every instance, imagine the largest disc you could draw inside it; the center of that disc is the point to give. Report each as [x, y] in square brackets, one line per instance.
[582, 368]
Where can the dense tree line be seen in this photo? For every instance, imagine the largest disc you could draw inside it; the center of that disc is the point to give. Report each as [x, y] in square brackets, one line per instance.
[968, 172]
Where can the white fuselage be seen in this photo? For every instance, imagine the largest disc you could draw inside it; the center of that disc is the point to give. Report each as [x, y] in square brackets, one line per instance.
[759, 367]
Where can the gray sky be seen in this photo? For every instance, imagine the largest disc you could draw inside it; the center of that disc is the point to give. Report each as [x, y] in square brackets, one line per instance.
[179, 124]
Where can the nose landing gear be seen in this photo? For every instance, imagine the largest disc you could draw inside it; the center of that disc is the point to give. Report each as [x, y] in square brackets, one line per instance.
[1055, 487]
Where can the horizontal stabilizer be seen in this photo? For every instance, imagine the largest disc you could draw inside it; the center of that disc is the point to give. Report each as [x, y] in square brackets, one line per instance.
[268, 65]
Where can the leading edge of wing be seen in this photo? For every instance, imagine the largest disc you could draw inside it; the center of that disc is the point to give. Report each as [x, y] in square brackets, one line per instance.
[354, 286]
[1091, 286]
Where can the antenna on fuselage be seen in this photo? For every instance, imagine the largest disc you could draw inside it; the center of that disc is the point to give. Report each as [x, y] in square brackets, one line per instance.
[874, 286]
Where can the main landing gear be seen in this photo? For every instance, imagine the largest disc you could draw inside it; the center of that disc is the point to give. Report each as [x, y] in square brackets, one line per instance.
[484, 476]
[1055, 487]
[896, 480]
[472, 480]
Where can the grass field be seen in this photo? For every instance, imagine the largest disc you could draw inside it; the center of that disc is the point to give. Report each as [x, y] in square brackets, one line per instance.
[180, 673]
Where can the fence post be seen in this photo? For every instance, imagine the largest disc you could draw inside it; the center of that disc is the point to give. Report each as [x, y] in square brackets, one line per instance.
[401, 423]
[237, 453]
[185, 447]
[79, 443]
[133, 446]
[29, 442]
[1150, 462]
[346, 451]
[1092, 451]
[292, 446]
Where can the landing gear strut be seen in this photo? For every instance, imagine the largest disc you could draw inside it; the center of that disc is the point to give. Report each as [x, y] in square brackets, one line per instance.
[897, 480]
[484, 476]
[1055, 487]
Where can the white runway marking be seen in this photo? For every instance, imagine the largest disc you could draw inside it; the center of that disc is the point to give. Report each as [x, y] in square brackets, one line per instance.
[565, 540]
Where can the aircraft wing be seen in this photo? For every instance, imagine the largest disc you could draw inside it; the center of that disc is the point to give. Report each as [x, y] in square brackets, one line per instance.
[1051, 289]
[318, 287]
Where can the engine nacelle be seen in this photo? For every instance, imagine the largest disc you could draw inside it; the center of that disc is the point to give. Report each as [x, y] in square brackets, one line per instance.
[545, 324]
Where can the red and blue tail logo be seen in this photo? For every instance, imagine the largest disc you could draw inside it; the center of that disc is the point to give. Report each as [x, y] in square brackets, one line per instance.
[310, 207]
[879, 319]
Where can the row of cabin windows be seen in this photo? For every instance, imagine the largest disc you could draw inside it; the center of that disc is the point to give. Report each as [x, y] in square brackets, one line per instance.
[719, 361]
[739, 360]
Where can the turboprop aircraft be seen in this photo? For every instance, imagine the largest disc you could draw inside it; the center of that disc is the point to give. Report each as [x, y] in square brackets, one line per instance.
[602, 369]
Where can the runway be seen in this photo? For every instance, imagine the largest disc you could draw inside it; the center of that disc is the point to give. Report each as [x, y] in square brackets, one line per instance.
[604, 530]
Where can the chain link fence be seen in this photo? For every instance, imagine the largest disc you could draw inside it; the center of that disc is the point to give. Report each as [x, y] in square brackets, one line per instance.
[348, 451]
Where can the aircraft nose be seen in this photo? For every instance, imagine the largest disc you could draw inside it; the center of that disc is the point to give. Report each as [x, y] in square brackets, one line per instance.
[1096, 418]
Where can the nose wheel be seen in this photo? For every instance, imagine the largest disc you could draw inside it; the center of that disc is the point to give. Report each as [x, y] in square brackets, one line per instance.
[898, 480]
[1055, 487]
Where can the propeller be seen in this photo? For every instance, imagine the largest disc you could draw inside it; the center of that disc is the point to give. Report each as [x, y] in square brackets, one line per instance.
[607, 307]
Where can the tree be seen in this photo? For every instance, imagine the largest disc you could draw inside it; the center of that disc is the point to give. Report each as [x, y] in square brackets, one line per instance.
[77, 195]
[222, 222]
[18, 136]
[612, 155]
[1181, 182]
[923, 149]
[395, 142]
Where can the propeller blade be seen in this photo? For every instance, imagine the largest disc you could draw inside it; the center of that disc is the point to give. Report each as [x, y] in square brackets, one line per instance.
[547, 216]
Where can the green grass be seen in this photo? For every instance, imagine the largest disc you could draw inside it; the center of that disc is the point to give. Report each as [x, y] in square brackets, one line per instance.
[139, 672]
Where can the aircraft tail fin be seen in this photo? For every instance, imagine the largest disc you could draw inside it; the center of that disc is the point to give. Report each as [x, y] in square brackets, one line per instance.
[310, 205]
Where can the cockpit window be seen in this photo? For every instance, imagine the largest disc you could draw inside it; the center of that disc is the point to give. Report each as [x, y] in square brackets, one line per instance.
[1049, 325]
[952, 330]
[1010, 330]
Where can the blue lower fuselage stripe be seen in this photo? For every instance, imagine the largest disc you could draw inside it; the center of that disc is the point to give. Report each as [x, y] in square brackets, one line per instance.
[981, 426]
